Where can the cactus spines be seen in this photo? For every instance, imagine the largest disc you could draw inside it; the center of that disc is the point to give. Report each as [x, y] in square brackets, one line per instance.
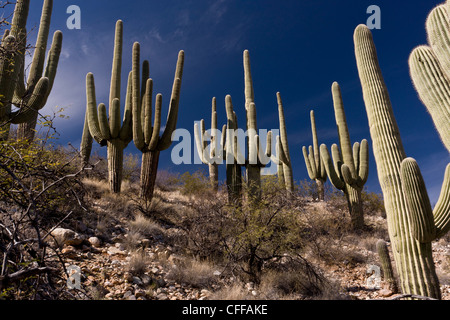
[32, 96]
[284, 157]
[348, 169]
[386, 265]
[202, 146]
[145, 136]
[407, 207]
[111, 132]
[313, 160]
[430, 71]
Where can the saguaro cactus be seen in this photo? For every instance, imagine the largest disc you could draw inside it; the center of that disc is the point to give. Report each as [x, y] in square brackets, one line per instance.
[284, 159]
[31, 96]
[147, 138]
[348, 168]
[111, 133]
[386, 265]
[313, 160]
[256, 159]
[86, 143]
[430, 70]
[412, 224]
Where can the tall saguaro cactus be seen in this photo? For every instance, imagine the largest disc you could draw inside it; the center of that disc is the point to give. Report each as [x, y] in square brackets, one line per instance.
[31, 96]
[412, 224]
[254, 162]
[348, 168]
[147, 138]
[111, 132]
[430, 70]
[313, 160]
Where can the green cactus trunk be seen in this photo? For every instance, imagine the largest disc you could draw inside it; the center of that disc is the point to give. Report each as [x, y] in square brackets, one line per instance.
[149, 168]
[414, 259]
[355, 207]
[214, 176]
[115, 164]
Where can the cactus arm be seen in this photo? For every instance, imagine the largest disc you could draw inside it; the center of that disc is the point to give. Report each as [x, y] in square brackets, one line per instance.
[138, 135]
[20, 17]
[198, 142]
[147, 102]
[330, 168]
[145, 76]
[34, 103]
[114, 120]
[103, 121]
[157, 123]
[337, 160]
[248, 82]
[280, 165]
[341, 122]
[438, 32]
[419, 207]
[316, 149]
[37, 65]
[441, 210]
[171, 123]
[86, 143]
[91, 109]
[433, 88]
[53, 59]
[309, 168]
[126, 134]
[363, 165]
[114, 91]
[166, 137]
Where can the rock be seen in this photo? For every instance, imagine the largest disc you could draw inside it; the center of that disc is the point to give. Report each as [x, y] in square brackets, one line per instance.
[95, 242]
[385, 293]
[162, 296]
[66, 237]
[138, 281]
[69, 252]
[113, 251]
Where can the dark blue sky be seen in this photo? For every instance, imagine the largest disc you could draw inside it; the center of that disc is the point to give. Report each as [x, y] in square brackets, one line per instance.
[296, 47]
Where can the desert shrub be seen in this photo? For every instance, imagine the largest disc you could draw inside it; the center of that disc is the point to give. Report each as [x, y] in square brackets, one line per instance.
[39, 190]
[373, 203]
[131, 167]
[199, 274]
[244, 237]
[196, 183]
[167, 181]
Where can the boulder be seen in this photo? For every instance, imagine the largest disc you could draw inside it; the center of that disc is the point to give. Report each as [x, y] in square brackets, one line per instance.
[66, 237]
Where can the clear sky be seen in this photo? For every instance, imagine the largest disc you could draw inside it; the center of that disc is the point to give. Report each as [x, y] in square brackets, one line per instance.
[297, 47]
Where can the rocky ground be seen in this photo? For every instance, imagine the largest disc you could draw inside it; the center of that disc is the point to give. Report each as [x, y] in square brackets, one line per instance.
[108, 269]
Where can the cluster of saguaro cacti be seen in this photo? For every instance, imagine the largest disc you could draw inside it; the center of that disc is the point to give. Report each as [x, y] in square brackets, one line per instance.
[412, 224]
[430, 70]
[110, 132]
[314, 163]
[31, 96]
[348, 168]
[214, 157]
[145, 136]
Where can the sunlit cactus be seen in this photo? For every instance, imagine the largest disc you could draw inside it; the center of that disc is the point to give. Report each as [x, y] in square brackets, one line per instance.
[314, 163]
[31, 96]
[212, 158]
[412, 223]
[284, 168]
[347, 168]
[430, 71]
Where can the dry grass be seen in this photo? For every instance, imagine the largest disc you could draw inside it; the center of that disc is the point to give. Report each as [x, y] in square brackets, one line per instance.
[199, 274]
